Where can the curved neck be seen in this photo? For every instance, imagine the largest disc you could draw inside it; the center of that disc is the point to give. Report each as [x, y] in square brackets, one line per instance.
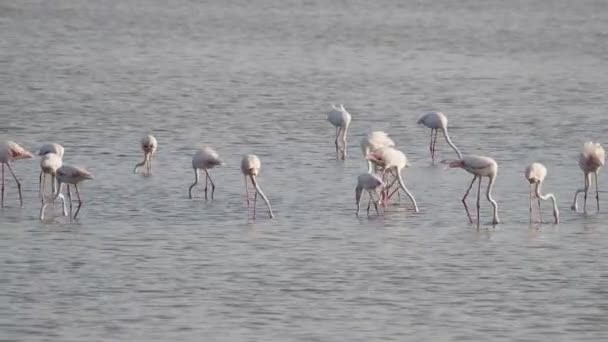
[257, 188]
[546, 197]
[449, 141]
[489, 196]
[407, 192]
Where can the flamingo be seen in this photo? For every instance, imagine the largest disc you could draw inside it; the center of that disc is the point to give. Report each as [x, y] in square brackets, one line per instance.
[50, 164]
[372, 142]
[340, 118]
[370, 183]
[250, 167]
[535, 174]
[69, 175]
[590, 160]
[437, 121]
[392, 160]
[480, 167]
[204, 159]
[9, 152]
[148, 145]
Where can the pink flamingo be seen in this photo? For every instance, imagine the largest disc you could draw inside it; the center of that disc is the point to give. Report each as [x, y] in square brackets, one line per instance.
[69, 175]
[52, 156]
[590, 160]
[250, 167]
[370, 183]
[535, 174]
[372, 142]
[340, 118]
[204, 159]
[148, 145]
[9, 152]
[437, 121]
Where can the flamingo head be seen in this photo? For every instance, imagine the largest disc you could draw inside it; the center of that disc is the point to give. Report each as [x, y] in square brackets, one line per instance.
[453, 163]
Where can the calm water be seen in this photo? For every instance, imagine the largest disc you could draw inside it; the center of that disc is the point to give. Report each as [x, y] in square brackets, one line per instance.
[519, 80]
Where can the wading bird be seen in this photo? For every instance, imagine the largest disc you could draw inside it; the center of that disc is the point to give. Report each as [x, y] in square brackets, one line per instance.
[49, 165]
[535, 174]
[250, 167]
[370, 183]
[479, 167]
[9, 152]
[148, 145]
[69, 175]
[437, 121]
[340, 118]
[372, 142]
[590, 160]
[204, 159]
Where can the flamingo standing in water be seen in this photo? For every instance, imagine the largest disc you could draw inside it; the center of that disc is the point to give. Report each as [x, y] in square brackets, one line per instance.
[204, 159]
[250, 167]
[590, 160]
[437, 121]
[535, 174]
[370, 183]
[148, 145]
[9, 152]
[49, 165]
[340, 118]
[392, 160]
[372, 142]
[69, 175]
[480, 167]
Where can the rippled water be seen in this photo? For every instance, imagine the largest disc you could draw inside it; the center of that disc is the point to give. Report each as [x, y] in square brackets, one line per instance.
[519, 80]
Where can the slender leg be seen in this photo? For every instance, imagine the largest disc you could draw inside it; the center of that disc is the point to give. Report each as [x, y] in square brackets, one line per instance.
[18, 183]
[540, 214]
[435, 144]
[247, 194]
[70, 200]
[41, 186]
[530, 203]
[206, 182]
[597, 192]
[369, 202]
[431, 145]
[79, 201]
[336, 143]
[464, 199]
[212, 184]
[255, 199]
[193, 184]
[478, 203]
[371, 195]
[2, 205]
[587, 181]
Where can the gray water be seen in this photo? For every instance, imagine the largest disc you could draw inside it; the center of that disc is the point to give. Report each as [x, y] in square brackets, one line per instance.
[520, 81]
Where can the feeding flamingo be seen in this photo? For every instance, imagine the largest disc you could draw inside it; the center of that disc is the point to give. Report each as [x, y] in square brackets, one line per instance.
[480, 167]
[148, 145]
[69, 175]
[340, 118]
[49, 164]
[204, 159]
[372, 142]
[9, 152]
[535, 174]
[590, 160]
[370, 183]
[250, 167]
[437, 121]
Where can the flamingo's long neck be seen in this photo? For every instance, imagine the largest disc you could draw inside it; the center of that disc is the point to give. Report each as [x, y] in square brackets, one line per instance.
[546, 197]
[257, 188]
[407, 192]
[449, 141]
[491, 200]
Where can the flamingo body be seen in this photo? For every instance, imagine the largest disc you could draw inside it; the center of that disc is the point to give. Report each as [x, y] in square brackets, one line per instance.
[9, 152]
[149, 144]
[392, 160]
[535, 173]
[340, 118]
[250, 167]
[204, 159]
[437, 121]
[374, 141]
[590, 160]
[370, 183]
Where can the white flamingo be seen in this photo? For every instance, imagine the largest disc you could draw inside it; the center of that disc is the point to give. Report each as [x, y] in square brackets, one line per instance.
[437, 121]
[370, 183]
[148, 145]
[250, 167]
[340, 118]
[392, 160]
[69, 175]
[535, 174]
[204, 159]
[50, 165]
[590, 160]
[9, 152]
[480, 167]
[372, 142]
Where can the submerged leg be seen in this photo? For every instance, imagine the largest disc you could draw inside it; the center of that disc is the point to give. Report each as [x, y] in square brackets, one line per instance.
[70, 200]
[336, 143]
[587, 184]
[464, 199]
[247, 194]
[212, 184]
[540, 214]
[79, 201]
[41, 180]
[206, 183]
[597, 192]
[478, 203]
[18, 184]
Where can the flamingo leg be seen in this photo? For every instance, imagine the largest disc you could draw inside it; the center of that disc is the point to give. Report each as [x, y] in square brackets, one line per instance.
[18, 183]
[478, 203]
[336, 143]
[70, 200]
[149, 164]
[431, 145]
[375, 202]
[212, 184]
[247, 194]
[369, 202]
[464, 199]
[540, 214]
[79, 201]
[41, 180]
[597, 192]
[255, 199]
[435, 144]
[206, 182]
[530, 193]
[587, 181]
[2, 204]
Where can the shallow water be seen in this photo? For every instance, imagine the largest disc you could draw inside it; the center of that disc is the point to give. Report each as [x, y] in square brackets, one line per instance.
[520, 81]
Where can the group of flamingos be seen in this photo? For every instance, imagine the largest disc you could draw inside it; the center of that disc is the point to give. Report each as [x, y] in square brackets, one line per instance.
[385, 164]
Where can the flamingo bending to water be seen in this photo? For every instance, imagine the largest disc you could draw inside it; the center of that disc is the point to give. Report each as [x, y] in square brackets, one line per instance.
[69, 175]
[372, 142]
[370, 183]
[204, 159]
[437, 121]
[535, 174]
[340, 118]
[9, 152]
[590, 160]
[49, 165]
[148, 145]
[250, 167]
